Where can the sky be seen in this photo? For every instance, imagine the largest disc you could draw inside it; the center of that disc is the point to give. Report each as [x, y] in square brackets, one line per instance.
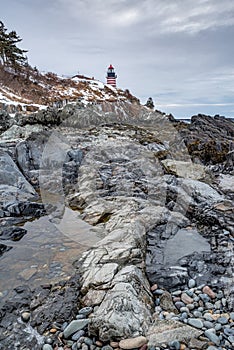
[179, 52]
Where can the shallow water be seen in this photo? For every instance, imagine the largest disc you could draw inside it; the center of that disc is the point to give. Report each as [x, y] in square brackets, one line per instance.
[46, 253]
[185, 242]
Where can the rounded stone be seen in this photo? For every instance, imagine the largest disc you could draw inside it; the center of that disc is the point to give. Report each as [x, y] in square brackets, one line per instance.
[114, 344]
[197, 314]
[154, 287]
[53, 330]
[25, 316]
[80, 317]
[224, 301]
[48, 340]
[78, 334]
[218, 326]
[183, 316]
[204, 297]
[207, 316]
[186, 298]
[86, 311]
[228, 331]
[212, 336]
[99, 343]
[222, 320]
[74, 327]
[209, 306]
[207, 290]
[157, 302]
[88, 341]
[176, 293]
[191, 283]
[232, 315]
[219, 295]
[84, 347]
[217, 304]
[190, 293]
[179, 305]
[107, 347]
[132, 343]
[174, 345]
[194, 322]
[47, 347]
[208, 324]
[158, 292]
[231, 339]
[184, 309]
[190, 306]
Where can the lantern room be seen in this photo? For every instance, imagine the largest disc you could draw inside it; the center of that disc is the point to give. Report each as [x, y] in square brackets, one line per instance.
[111, 76]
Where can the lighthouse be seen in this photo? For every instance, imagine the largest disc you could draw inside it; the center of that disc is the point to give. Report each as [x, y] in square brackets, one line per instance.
[111, 76]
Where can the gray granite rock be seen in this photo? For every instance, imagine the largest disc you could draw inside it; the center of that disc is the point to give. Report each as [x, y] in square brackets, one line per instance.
[212, 336]
[125, 311]
[194, 322]
[74, 327]
[166, 331]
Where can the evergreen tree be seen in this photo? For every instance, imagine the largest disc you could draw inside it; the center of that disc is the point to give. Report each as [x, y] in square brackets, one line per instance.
[150, 103]
[10, 53]
[3, 42]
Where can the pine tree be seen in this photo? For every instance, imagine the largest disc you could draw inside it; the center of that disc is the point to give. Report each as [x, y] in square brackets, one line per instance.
[3, 43]
[10, 53]
[150, 103]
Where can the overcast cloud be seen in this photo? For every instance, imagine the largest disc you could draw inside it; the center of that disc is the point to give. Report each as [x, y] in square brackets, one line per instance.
[180, 52]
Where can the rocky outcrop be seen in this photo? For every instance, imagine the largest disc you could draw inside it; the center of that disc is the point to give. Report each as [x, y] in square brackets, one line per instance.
[208, 139]
[5, 121]
[158, 223]
[14, 187]
[16, 132]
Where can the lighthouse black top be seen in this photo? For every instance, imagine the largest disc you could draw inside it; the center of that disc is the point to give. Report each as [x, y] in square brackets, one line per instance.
[111, 76]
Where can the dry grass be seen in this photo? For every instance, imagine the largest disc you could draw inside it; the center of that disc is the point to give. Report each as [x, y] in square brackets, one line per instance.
[30, 86]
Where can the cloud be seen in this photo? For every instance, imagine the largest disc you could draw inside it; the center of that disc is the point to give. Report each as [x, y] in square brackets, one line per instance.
[161, 16]
[179, 52]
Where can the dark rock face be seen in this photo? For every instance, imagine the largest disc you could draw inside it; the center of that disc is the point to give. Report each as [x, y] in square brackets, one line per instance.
[46, 308]
[15, 191]
[4, 248]
[209, 139]
[47, 117]
[12, 233]
[5, 121]
[28, 155]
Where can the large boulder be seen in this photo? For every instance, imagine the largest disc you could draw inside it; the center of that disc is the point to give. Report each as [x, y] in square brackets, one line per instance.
[14, 188]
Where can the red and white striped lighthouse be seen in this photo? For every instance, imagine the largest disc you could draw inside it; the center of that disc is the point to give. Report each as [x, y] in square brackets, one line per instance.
[111, 76]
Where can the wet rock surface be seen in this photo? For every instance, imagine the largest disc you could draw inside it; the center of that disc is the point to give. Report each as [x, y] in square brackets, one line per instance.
[158, 225]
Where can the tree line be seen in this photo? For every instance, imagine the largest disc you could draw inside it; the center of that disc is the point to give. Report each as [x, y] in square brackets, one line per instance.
[10, 53]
